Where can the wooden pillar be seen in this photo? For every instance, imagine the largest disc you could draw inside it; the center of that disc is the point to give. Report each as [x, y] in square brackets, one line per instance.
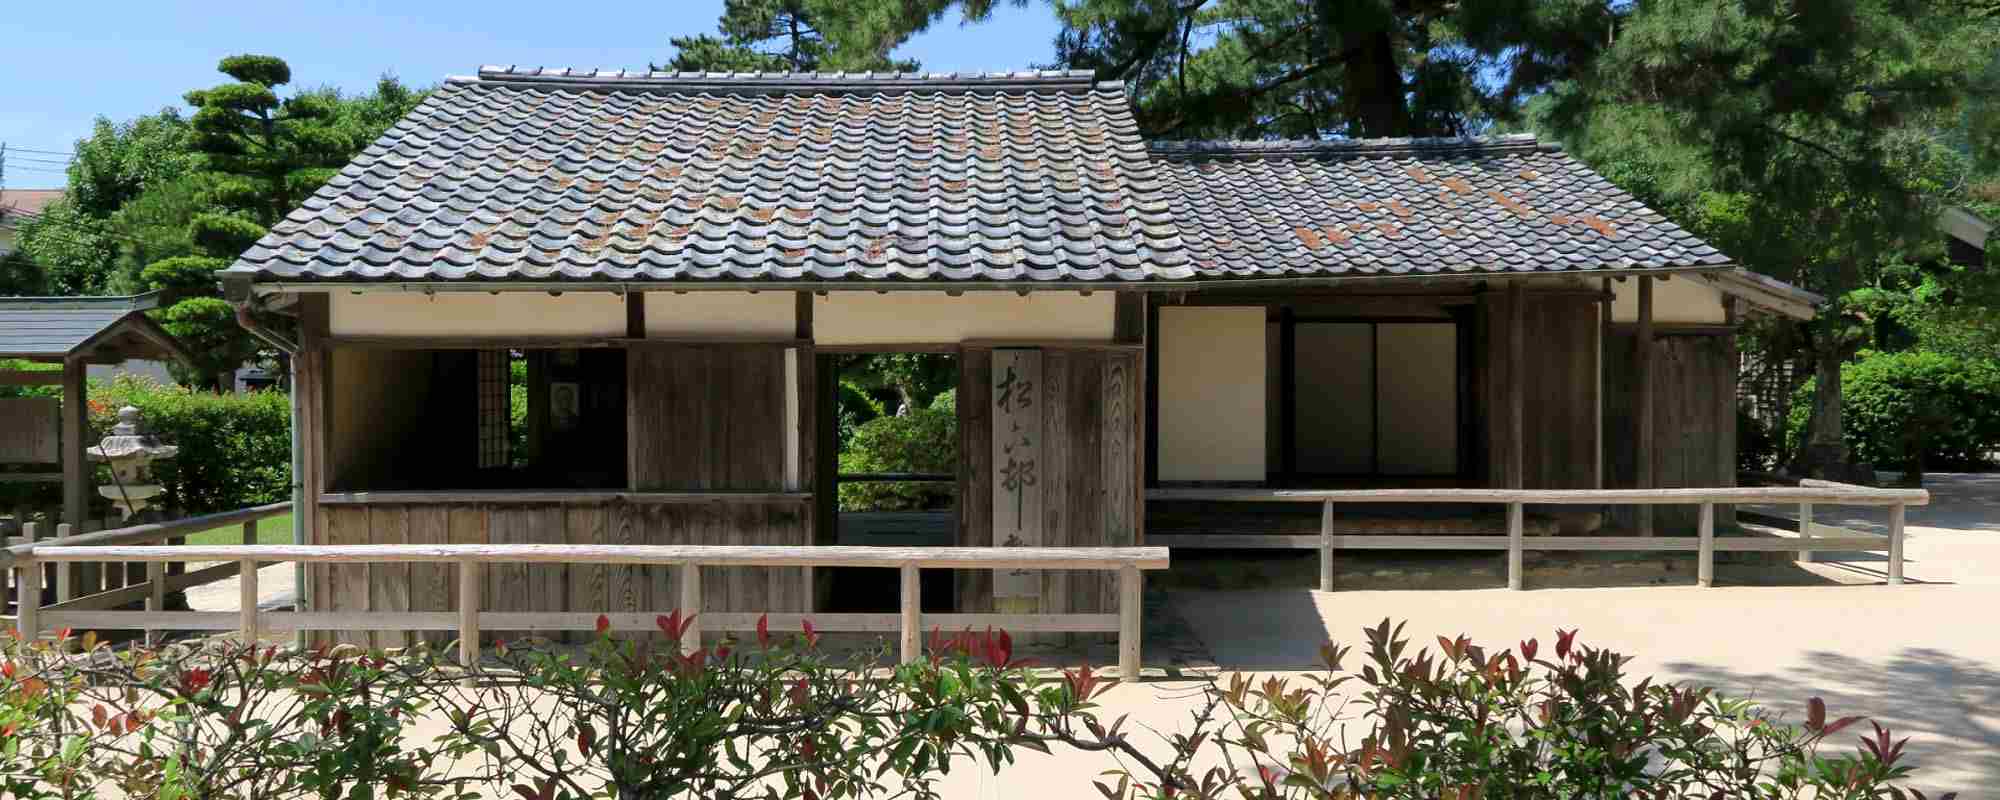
[1642, 401]
[1705, 560]
[1326, 546]
[1896, 513]
[246, 600]
[75, 425]
[469, 581]
[1517, 441]
[1603, 336]
[911, 629]
[1515, 579]
[1131, 596]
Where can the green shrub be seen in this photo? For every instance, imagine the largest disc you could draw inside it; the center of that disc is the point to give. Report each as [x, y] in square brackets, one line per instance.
[235, 449]
[924, 440]
[1462, 721]
[1913, 410]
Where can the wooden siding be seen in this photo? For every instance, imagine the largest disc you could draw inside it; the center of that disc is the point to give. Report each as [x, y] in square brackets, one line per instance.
[706, 417]
[1694, 433]
[1560, 407]
[28, 428]
[1088, 474]
[555, 587]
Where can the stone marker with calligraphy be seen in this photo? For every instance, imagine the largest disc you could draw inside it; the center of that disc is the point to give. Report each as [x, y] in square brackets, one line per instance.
[1017, 495]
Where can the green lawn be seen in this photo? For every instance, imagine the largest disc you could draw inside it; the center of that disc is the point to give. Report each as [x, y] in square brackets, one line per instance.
[270, 530]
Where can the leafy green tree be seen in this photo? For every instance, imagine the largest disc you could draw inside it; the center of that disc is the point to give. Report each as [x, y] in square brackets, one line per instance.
[73, 247]
[262, 156]
[1829, 126]
[807, 36]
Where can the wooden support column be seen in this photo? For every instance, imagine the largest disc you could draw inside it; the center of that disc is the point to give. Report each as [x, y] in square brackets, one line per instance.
[1517, 442]
[912, 623]
[1805, 531]
[1896, 544]
[1642, 401]
[689, 577]
[75, 424]
[1603, 336]
[469, 581]
[27, 598]
[1326, 546]
[246, 600]
[1515, 522]
[1705, 566]
[1131, 595]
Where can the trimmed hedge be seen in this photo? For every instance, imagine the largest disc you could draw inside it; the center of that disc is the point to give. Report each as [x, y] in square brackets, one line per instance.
[1913, 409]
[235, 449]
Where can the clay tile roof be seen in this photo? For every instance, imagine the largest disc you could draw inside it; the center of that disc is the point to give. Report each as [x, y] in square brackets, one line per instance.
[1506, 204]
[528, 174]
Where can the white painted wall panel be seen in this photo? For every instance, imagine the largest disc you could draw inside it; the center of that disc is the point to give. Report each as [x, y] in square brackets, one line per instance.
[722, 314]
[1684, 299]
[477, 314]
[861, 318]
[1211, 394]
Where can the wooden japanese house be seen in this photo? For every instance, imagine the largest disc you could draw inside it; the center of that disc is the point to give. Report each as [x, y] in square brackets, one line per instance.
[675, 258]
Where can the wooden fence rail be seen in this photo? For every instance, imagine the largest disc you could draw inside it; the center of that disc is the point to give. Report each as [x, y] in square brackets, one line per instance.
[85, 584]
[1704, 544]
[468, 620]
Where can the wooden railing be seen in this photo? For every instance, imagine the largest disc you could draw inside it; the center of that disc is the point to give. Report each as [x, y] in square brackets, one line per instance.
[1705, 543]
[468, 620]
[70, 593]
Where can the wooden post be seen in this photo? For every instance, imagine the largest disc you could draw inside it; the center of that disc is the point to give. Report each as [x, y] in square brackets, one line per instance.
[1896, 545]
[75, 465]
[1705, 565]
[468, 614]
[1642, 402]
[156, 595]
[31, 532]
[1326, 546]
[690, 580]
[246, 599]
[1516, 362]
[1514, 546]
[1805, 531]
[912, 624]
[250, 532]
[27, 598]
[1131, 594]
[65, 571]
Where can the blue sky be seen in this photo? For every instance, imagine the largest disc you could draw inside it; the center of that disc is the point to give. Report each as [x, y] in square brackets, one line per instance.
[73, 63]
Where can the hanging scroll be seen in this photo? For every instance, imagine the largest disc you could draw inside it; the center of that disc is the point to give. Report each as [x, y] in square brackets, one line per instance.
[1017, 448]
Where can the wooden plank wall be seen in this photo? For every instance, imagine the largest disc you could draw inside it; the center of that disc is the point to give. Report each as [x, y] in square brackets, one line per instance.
[1560, 407]
[711, 417]
[28, 430]
[539, 587]
[1089, 478]
[1694, 437]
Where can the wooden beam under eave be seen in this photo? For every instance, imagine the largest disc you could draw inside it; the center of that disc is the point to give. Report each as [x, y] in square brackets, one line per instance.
[75, 422]
[1642, 402]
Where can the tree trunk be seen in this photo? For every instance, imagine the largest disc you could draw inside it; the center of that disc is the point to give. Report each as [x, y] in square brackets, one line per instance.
[1823, 454]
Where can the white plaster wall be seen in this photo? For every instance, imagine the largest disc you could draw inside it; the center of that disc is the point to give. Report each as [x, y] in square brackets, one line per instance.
[1682, 299]
[477, 314]
[861, 318]
[722, 314]
[1211, 384]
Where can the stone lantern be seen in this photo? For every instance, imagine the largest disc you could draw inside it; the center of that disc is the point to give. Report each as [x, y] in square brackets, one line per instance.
[131, 452]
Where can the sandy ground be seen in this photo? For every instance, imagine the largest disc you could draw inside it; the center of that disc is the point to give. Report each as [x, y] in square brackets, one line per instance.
[1923, 658]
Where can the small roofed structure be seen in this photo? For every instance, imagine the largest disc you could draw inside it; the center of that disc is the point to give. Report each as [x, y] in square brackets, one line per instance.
[36, 433]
